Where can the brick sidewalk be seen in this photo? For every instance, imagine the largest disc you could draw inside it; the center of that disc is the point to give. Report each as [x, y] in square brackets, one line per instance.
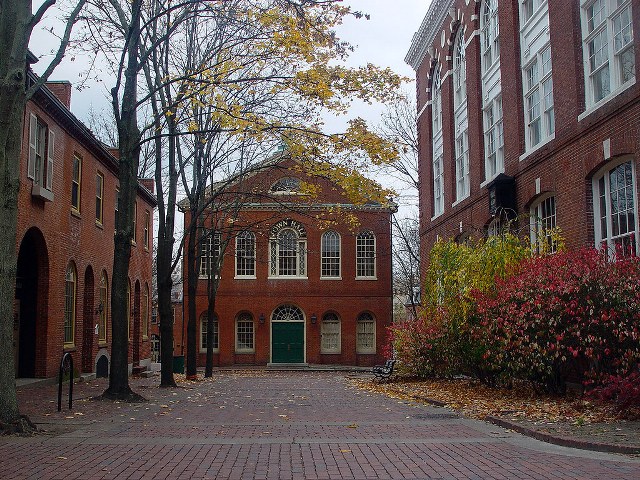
[262, 425]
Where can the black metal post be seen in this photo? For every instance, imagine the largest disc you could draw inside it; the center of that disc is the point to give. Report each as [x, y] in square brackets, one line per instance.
[65, 357]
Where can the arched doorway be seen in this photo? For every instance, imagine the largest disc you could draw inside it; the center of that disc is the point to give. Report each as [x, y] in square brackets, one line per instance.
[287, 335]
[88, 321]
[136, 324]
[30, 309]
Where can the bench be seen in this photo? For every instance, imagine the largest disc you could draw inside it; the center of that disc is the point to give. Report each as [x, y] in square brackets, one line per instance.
[384, 371]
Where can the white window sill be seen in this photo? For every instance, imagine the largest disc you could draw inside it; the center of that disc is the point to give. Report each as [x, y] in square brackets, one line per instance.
[330, 353]
[366, 278]
[368, 352]
[41, 193]
[244, 352]
[204, 350]
[537, 147]
[245, 277]
[330, 278]
[607, 99]
[459, 201]
[436, 216]
[206, 277]
[288, 277]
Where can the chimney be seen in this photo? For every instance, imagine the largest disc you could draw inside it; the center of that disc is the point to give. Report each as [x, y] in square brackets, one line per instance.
[147, 183]
[62, 90]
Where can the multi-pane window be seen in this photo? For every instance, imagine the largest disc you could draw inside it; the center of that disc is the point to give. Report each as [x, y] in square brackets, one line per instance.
[99, 196]
[538, 96]
[528, 8]
[330, 333]
[41, 150]
[607, 33]
[288, 255]
[493, 138]
[365, 333]
[365, 255]
[244, 333]
[210, 249]
[462, 165]
[543, 223]
[615, 211]
[102, 308]
[330, 262]
[145, 312]
[246, 255]
[135, 222]
[145, 232]
[490, 29]
[438, 185]
[204, 327]
[76, 180]
[70, 304]
[437, 153]
[116, 206]
[463, 179]
[286, 185]
[287, 313]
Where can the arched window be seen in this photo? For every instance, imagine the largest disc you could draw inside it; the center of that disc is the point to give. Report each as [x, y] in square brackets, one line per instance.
[366, 333]
[460, 117]
[145, 312]
[70, 290]
[288, 256]
[543, 221]
[245, 333]
[287, 313]
[615, 209]
[246, 255]
[103, 307]
[437, 153]
[366, 255]
[330, 262]
[286, 185]
[204, 327]
[330, 333]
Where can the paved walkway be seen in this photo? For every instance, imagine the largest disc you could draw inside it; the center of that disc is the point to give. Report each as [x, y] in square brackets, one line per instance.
[263, 425]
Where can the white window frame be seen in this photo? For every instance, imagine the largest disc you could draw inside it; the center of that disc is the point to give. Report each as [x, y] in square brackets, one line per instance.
[610, 64]
[542, 222]
[103, 314]
[76, 182]
[99, 198]
[528, 9]
[275, 246]
[493, 138]
[245, 255]
[70, 301]
[537, 85]
[489, 34]
[330, 258]
[366, 252]
[204, 325]
[330, 334]
[437, 143]
[210, 251]
[600, 199]
[362, 347]
[41, 154]
[463, 174]
[245, 318]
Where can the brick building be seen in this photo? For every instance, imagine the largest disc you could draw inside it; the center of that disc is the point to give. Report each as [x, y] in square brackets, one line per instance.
[529, 109]
[300, 282]
[66, 221]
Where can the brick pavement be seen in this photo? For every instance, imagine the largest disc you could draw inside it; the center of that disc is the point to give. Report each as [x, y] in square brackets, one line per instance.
[264, 425]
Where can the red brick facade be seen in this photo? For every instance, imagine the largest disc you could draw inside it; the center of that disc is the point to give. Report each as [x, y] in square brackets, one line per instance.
[55, 240]
[313, 297]
[590, 139]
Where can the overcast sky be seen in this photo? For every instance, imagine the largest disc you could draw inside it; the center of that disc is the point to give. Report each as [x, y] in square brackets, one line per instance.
[383, 40]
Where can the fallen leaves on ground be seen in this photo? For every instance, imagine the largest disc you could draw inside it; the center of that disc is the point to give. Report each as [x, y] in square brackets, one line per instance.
[475, 400]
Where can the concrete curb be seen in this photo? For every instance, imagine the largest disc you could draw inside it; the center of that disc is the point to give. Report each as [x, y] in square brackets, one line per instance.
[563, 441]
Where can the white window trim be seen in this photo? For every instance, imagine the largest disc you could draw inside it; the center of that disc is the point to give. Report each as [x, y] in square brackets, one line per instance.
[211, 237]
[614, 81]
[244, 350]
[335, 351]
[203, 349]
[535, 217]
[375, 260]
[495, 127]
[545, 130]
[598, 239]
[328, 277]
[235, 267]
[367, 351]
[301, 246]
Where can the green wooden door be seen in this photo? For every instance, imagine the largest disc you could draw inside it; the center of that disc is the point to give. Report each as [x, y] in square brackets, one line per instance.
[287, 342]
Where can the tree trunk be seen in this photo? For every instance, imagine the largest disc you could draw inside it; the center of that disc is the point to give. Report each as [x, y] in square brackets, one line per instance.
[192, 284]
[129, 148]
[13, 42]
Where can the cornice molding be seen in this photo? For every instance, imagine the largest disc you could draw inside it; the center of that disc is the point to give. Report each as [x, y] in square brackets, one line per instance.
[426, 34]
